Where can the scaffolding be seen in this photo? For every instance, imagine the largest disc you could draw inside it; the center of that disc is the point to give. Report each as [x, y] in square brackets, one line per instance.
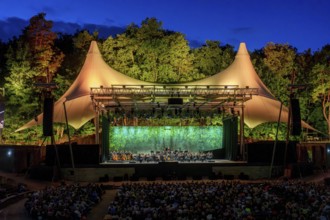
[207, 98]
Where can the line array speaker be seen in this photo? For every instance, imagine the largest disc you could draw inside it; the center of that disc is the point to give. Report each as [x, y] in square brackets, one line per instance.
[175, 101]
[47, 125]
[295, 117]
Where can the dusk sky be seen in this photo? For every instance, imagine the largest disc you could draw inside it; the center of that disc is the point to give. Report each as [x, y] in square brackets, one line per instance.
[301, 23]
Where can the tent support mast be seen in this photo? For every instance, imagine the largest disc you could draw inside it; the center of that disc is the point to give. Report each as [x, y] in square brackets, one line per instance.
[97, 126]
[242, 144]
[69, 139]
[276, 140]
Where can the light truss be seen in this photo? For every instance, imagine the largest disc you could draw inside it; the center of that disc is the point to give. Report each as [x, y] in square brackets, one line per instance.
[159, 98]
[144, 97]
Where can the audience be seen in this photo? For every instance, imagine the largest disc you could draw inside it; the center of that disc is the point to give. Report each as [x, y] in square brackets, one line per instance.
[67, 201]
[221, 200]
[9, 190]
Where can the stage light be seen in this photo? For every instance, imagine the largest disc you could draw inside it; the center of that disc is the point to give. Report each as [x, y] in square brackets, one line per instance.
[9, 153]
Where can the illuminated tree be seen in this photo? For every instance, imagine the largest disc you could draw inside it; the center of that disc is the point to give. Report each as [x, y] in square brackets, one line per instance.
[150, 53]
[211, 58]
[321, 92]
[45, 58]
[280, 60]
[22, 101]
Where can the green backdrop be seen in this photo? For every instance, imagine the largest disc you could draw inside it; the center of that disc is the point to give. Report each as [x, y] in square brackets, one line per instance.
[144, 139]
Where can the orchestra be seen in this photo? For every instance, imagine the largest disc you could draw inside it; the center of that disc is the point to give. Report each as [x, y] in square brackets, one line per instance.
[161, 156]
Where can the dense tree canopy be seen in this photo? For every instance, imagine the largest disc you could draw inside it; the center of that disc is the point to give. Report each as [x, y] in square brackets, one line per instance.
[150, 53]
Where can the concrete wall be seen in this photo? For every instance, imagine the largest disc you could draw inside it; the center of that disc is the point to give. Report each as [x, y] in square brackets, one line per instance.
[94, 174]
[254, 172]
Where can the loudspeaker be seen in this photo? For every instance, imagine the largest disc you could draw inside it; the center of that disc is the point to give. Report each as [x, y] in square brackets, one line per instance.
[48, 117]
[175, 101]
[295, 117]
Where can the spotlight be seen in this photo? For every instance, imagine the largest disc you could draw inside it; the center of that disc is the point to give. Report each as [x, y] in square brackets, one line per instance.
[9, 153]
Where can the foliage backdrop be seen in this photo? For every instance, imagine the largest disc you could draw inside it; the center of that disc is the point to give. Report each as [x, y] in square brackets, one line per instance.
[157, 138]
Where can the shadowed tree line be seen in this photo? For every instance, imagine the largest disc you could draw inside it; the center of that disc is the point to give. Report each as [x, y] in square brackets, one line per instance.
[150, 53]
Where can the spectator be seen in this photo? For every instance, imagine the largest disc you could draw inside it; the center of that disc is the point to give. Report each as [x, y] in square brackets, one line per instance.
[63, 202]
[221, 200]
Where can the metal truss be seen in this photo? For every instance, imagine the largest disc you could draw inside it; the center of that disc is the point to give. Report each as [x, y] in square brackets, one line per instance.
[143, 97]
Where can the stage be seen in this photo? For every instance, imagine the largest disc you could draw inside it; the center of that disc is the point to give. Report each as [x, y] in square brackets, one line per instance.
[169, 170]
[87, 165]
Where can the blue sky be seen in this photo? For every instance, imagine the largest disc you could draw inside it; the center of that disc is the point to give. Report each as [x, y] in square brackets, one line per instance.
[301, 23]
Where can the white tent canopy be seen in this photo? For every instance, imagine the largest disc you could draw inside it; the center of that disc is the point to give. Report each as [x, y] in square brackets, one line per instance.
[260, 109]
[95, 73]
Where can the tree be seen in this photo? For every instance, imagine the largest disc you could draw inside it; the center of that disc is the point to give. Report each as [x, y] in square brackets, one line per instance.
[22, 100]
[150, 53]
[31, 58]
[211, 58]
[45, 58]
[280, 60]
[321, 91]
[119, 53]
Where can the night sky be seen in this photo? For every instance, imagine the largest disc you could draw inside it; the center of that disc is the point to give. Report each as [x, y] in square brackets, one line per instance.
[301, 23]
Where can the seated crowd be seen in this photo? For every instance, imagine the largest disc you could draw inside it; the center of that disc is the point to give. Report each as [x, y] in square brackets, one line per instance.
[67, 201]
[221, 200]
[159, 156]
[7, 190]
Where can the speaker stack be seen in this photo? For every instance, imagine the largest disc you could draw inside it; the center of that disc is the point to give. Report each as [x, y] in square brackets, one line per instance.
[48, 117]
[295, 117]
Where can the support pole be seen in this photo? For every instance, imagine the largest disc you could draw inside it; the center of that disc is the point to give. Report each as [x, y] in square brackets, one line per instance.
[289, 120]
[242, 144]
[69, 139]
[58, 163]
[276, 140]
[97, 126]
